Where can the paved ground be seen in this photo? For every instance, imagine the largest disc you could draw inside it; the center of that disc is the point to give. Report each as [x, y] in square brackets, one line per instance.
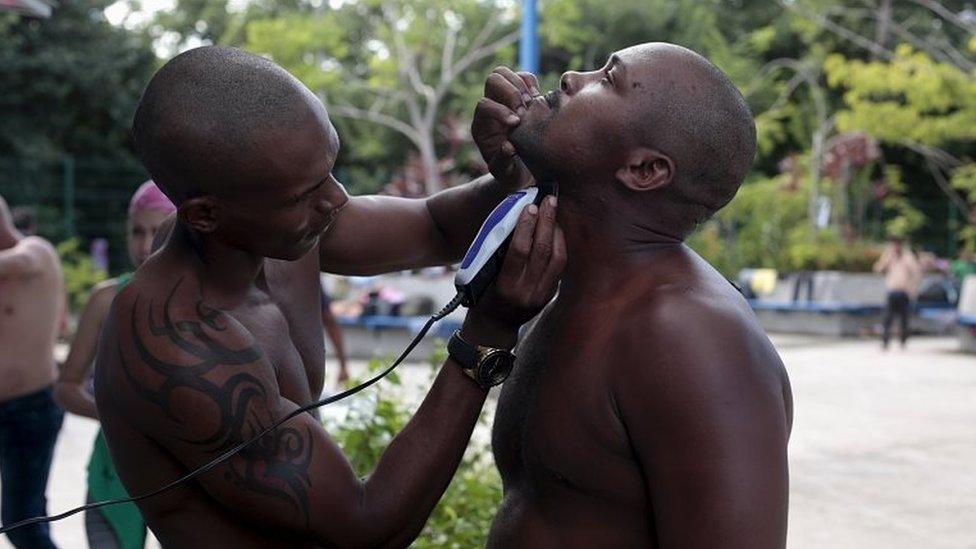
[883, 452]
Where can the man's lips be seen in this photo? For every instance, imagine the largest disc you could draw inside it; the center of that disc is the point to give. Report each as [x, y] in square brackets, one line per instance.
[551, 99]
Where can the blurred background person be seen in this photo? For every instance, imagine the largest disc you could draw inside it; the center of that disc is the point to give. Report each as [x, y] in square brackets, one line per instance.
[24, 221]
[903, 273]
[31, 308]
[117, 526]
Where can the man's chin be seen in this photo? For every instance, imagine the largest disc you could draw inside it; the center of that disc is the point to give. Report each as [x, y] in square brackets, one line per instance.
[295, 252]
[534, 157]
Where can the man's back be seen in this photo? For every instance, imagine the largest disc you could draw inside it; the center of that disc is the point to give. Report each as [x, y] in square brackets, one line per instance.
[577, 418]
[31, 309]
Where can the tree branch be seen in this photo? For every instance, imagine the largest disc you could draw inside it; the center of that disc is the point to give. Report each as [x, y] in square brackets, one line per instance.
[447, 55]
[944, 13]
[847, 34]
[407, 65]
[937, 160]
[475, 55]
[943, 52]
[356, 113]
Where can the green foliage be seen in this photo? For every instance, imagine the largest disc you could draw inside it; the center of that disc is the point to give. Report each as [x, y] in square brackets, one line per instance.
[906, 217]
[766, 225]
[70, 82]
[760, 217]
[910, 98]
[463, 516]
[826, 249]
[964, 180]
[80, 273]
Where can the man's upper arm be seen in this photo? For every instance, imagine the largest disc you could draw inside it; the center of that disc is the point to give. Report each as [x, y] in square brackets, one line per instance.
[710, 435]
[380, 234]
[198, 385]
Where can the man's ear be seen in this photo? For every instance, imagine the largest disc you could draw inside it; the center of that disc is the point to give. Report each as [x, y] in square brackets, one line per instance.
[199, 213]
[646, 169]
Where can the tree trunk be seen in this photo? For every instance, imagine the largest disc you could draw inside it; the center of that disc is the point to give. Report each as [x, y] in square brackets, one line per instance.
[428, 158]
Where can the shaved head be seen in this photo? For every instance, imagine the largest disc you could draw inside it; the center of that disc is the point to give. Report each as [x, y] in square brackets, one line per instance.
[243, 149]
[697, 116]
[204, 120]
[658, 126]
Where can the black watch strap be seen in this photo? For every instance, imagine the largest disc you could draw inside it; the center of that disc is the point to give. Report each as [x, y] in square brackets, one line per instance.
[462, 352]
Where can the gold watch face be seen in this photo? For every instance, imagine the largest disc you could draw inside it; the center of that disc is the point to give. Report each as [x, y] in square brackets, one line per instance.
[495, 367]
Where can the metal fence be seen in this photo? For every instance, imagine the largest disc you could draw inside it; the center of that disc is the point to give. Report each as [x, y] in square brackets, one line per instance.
[72, 197]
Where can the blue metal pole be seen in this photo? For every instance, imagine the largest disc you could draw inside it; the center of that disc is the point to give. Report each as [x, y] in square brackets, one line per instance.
[529, 44]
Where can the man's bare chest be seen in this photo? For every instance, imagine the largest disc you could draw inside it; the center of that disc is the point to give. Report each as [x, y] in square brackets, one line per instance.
[29, 313]
[556, 415]
[287, 326]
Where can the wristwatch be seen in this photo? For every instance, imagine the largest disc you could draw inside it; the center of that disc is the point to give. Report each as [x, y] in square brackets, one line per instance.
[487, 366]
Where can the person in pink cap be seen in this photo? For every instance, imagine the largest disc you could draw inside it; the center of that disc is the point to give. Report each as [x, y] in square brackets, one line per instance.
[119, 526]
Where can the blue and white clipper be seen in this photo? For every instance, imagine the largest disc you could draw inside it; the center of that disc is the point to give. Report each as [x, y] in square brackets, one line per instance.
[484, 259]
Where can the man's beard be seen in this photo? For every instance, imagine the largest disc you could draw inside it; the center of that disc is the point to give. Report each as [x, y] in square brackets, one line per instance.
[531, 146]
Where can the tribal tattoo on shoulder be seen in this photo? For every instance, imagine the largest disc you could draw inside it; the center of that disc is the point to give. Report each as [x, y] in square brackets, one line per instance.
[277, 464]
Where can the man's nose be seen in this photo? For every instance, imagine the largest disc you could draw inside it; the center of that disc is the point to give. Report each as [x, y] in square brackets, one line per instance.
[323, 205]
[333, 196]
[570, 82]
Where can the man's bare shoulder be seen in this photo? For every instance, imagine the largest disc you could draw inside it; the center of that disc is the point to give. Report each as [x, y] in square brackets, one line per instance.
[169, 355]
[699, 332]
[39, 245]
[41, 250]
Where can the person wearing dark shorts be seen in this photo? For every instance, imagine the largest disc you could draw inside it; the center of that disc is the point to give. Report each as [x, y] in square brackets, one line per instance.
[32, 310]
[902, 276]
[29, 427]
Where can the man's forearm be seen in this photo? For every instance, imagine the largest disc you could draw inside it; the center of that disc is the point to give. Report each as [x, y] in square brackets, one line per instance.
[75, 399]
[459, 212]
[417, 467]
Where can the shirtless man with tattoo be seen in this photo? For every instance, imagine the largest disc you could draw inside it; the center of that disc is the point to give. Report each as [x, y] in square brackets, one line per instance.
[31, 311]
[647, 408]
[218, 334]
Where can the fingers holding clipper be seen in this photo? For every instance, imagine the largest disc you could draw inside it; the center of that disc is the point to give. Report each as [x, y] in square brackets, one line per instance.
[549, 280]
[519, 248]
[542, 240]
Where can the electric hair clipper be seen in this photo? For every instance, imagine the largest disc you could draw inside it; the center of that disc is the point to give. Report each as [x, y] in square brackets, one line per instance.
[483, 260]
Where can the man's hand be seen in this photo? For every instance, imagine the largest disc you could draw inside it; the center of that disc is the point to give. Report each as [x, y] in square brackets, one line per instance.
[507, 94]
[528, 279]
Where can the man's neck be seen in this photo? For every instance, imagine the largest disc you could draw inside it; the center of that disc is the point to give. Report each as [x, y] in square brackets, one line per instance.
[603, 244]
[225, 273]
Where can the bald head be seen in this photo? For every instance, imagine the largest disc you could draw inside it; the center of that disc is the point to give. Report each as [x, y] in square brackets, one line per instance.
[692, 112]
[207, 116]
